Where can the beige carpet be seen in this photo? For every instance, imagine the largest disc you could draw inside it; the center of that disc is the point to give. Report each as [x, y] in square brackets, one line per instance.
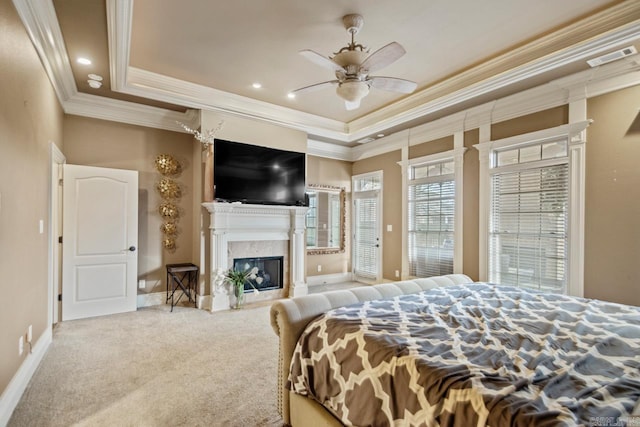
[155, 368]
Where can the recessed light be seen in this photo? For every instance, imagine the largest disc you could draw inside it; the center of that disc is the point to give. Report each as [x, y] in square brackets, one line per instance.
[84, 61]
[94, 84]
[380, 135]
[291, 95]
[95, 77]
[256, 85]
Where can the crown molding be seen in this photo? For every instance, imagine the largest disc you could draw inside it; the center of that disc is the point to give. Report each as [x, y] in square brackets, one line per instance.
[119, 22]
[41, 23]
[430, 99]
[99, 107]
[425, 102]
[328, 150]
[607, 78]
[168, 89]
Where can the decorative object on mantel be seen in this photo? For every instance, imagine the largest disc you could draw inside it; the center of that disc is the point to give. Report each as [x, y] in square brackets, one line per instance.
[170, 192]
[238, 278]
[205, 138]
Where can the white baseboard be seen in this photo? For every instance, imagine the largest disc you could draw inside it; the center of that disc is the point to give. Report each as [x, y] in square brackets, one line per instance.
[12, 394]
[153, 298]
[329, 278]
[159, 298]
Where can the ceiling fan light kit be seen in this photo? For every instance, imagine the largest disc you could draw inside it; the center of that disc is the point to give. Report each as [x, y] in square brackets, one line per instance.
[352, 65]
[352, 91]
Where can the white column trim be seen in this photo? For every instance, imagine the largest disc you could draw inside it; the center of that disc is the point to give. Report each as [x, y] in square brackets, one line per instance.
[458, 220]
[483, 205]
[218, 257]
[577, 178]
[404, 169]
[297, 249]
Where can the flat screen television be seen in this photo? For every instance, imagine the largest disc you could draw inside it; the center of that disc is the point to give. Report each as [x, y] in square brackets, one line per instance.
[259, 175]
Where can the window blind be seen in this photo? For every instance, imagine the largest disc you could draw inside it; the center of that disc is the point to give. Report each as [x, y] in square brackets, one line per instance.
[528, 227]
[365, 238]
[431, 204]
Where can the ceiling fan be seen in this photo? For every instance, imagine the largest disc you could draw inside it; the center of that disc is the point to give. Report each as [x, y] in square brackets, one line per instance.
[352, 65]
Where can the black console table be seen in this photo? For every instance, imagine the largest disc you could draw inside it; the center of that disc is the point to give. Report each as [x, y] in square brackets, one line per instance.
[183, 278]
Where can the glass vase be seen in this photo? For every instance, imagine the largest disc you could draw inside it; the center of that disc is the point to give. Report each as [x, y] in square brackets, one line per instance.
[239, 294]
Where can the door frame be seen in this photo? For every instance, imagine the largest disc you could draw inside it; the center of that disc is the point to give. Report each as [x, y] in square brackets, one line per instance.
[354, 195]
[56, 160]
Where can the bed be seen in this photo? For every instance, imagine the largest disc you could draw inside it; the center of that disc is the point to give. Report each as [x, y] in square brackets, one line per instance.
[446, 351]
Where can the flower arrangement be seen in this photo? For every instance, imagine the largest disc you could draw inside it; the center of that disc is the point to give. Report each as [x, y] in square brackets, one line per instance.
[238, 278]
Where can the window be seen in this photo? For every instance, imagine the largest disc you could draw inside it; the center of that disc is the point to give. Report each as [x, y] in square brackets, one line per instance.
[531, 217]
[528, 219]
[431, 210]
[312, 220]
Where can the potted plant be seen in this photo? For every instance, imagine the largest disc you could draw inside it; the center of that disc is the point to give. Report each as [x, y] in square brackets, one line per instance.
[238, 278]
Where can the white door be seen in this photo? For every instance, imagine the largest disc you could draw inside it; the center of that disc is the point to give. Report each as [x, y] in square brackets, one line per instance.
[99, 250]
[367, 228]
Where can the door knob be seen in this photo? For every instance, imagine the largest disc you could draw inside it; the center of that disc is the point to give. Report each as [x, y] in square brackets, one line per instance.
[132, 248]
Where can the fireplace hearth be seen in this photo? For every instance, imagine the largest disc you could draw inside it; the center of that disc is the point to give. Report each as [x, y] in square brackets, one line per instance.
[269, 272]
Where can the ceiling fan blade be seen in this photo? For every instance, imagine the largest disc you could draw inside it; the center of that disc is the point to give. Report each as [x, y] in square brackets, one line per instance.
[314, 87]
[383, 57]
[393, 84]
[352, 105]
[321, 60]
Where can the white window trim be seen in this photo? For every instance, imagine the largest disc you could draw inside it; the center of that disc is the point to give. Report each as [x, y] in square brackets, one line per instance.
[576, 135]
[366, 194]
[457, 155]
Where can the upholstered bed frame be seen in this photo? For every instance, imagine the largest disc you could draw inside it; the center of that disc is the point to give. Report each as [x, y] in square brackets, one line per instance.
[290, 317]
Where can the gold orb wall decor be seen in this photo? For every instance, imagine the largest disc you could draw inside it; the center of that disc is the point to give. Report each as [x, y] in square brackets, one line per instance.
[168, 189]
[168, 210]
[169, 228]
[167, 165]
[169, 243]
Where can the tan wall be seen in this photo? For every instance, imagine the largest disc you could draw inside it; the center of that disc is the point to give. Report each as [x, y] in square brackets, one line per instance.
[530, 123]
[335, 173]
[431, 147]
[102, 143]
[391, 207]
[30, 117]
[248, 131]
[470, 201]
[612, 218]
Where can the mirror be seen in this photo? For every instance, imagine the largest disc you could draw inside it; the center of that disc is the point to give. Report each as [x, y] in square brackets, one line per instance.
[325, 219]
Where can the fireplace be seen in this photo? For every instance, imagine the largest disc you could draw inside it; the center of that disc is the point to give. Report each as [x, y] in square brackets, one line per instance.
[256, 231]
[269, 272]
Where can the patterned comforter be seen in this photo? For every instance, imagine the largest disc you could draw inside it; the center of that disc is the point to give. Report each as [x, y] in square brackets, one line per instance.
[472, 355]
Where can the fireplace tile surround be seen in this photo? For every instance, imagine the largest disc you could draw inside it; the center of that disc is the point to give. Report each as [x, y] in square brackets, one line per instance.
[244, 230]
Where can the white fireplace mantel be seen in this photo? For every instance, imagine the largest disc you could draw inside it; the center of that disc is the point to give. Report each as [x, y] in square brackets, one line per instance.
[236, 222]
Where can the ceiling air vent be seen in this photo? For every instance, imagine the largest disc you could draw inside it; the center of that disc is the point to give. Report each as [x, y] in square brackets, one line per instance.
[612, 56]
